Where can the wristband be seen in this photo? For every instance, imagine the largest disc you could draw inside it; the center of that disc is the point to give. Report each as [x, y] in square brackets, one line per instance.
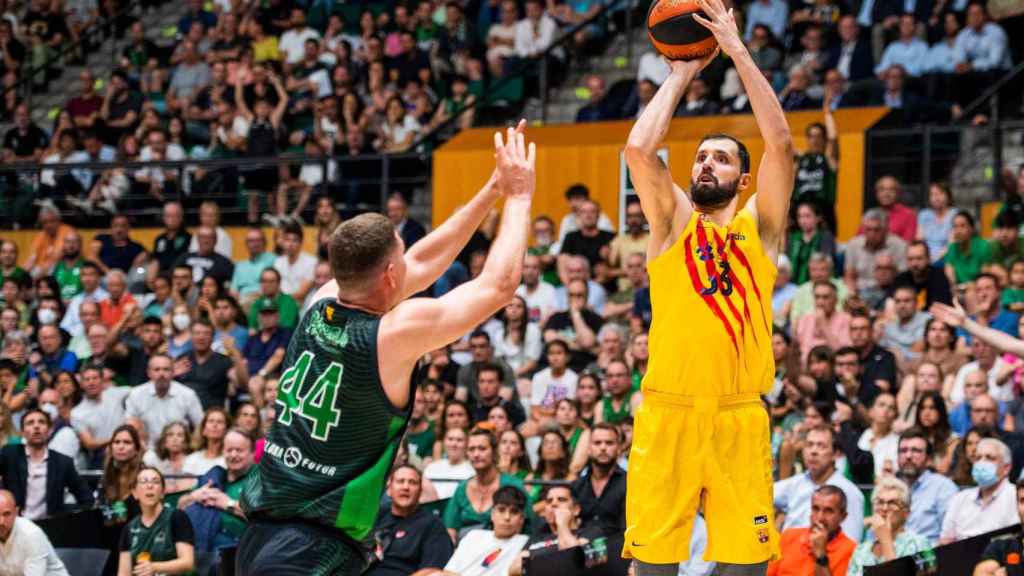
[822, 560]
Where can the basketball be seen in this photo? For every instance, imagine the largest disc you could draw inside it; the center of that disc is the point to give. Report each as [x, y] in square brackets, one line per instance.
[674, 32]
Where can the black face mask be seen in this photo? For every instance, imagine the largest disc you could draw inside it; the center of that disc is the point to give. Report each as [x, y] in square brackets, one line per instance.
[712, 196]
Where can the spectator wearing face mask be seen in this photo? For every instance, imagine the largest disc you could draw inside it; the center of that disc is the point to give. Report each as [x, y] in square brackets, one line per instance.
[988, 507]
[1005, 551]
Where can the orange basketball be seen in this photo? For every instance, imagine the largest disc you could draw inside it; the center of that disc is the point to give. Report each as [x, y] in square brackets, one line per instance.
[674, 32]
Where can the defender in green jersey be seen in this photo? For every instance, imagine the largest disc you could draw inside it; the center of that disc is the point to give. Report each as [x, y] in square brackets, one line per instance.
[345, 395]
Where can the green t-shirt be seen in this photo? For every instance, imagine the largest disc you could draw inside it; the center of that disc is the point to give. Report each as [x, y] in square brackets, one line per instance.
[1005, 257]
[460, 512]
[229, 522]
[422, 443]
[19, 275]
[1012, 296]
[287, 311]
[967, 264]
[68, 278]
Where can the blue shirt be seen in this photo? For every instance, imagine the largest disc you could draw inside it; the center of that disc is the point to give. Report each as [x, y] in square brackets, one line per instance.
[985, 50]
[929, 497]
[596, 297]
[62, 360]
[960, 417]
[239, 333]
[939, 60]
[257, 352]
[909, 55]
[793, 498]
[774, 15]
[936, 232]
[246, 277]
[1005, 321]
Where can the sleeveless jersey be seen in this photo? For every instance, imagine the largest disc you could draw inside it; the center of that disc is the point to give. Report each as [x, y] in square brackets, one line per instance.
[336, 433]
[711, 299]
[613, 416]
[157, 539]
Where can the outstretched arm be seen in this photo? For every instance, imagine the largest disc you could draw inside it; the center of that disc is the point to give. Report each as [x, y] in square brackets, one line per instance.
[775, 175]
[659, 197]
[419, 325]
[956, 317]
[432, 255]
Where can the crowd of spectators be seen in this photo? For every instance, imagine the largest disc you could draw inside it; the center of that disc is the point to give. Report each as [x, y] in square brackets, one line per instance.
[924, 60]
[259, 79]
[896, 417]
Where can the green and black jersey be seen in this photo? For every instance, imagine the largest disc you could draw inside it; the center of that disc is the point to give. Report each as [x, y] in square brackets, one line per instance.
[336, 434]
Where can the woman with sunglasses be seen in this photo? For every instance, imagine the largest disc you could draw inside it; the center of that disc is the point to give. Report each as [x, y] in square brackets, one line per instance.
[158, 540]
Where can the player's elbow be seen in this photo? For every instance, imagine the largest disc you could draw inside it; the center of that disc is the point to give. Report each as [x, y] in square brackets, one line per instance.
[780, 141]
[638, 150]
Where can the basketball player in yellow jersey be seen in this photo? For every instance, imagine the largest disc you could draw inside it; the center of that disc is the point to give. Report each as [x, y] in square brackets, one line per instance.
[701, 435]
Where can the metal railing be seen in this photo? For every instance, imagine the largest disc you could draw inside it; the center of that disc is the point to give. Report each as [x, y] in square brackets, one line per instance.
[349, 180]
[523, 68]
[970, 158]
[103, 28]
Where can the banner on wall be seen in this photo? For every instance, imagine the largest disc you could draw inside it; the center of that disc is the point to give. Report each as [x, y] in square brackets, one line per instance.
[627, 193]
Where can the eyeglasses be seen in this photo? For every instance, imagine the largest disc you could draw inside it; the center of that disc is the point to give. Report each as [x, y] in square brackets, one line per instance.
[887, 504]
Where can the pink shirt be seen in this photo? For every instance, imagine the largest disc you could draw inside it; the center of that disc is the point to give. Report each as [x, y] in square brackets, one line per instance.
[902, 222]
[808, 337]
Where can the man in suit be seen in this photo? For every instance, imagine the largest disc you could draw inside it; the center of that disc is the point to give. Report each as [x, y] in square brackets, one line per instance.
[908, 106]
[398, 212]
[851, 56]
[38, 476]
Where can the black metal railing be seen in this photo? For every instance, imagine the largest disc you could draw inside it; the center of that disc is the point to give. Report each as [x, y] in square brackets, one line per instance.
[524, 68]
[356, 183]
[970, 158]
[104, 28]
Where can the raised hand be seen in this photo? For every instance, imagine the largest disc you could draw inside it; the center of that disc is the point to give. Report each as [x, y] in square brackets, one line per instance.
[952, 315]
[516, 173]
[722, 24]
[692, 67]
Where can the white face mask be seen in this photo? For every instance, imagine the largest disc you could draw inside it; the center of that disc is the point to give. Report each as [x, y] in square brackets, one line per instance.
[46, 316]
[50, 409]
[181, 321]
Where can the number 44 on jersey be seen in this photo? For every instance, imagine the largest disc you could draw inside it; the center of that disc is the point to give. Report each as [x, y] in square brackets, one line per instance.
[316, 402]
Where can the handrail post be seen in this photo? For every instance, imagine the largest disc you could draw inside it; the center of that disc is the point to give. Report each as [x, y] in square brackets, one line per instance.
[543, 62]
[629, 29]
[997, 157]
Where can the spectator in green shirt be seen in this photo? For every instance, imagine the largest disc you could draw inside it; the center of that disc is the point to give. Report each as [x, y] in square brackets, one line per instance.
[69, 267]
[245, 281]
[1006, 246]
[270, 290]
[482, 451]
[967, 252]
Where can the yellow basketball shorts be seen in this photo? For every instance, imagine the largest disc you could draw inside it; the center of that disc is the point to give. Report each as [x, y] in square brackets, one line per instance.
[688, 451]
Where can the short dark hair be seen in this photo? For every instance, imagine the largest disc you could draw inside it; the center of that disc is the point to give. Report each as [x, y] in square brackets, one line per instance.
[988, 275]
[920, 243]
[480, 334]
[359, 246]
[31, 411]
[830, 490]
[273, 271]
[152, 320]
[741, 148]
[608, 427]
[92, 266]
[510, 496]
[917, 432]
[292, 228]
[8, 364]
[556, 342]
[821, 353]
[577, 191]
[408, 466]
[492, 367]
[815, 125]
[846, 351]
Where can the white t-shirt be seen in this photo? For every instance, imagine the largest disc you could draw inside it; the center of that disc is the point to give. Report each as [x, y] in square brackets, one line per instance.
[224, 246]
[293, 43]
[442, 469]
[28, 551]
[480, 553]
[548, 390]
[66, 442]
[516, 355]
[998, 393]
[198, 463]
[294, 274]
[886, 448]
[967, 516]
[541, 303]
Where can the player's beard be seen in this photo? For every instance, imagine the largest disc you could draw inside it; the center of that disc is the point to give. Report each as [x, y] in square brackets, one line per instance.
[712, 196]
